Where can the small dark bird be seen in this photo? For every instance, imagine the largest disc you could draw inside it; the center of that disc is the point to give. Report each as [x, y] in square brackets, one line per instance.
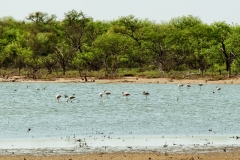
[79, 140]
[29, 129]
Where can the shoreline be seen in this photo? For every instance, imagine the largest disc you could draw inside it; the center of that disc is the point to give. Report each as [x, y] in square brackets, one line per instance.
[185, 147]
[133, 80]
[148, 155]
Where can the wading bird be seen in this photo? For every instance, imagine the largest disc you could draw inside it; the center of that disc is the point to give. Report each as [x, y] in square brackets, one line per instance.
[107, 93]
[71, 98]
[200, 85]
[100, 94]
[58, 96]
[145, 93]
[180, 85]
[125, 94]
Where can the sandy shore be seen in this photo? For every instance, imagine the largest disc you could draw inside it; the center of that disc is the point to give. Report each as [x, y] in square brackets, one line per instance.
[124, 80]
[169, 81]
[235, 155]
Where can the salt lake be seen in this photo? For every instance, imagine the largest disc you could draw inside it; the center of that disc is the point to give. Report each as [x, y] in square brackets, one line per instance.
[31, 117]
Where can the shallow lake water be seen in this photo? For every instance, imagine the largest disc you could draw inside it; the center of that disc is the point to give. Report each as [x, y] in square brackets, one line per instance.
[31, 113]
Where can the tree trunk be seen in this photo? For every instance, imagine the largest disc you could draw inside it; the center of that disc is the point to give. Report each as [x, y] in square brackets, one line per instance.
[63, 68]
[63, 71]
[229, 67]
[85, 77]
[19, 69]
[227, 59]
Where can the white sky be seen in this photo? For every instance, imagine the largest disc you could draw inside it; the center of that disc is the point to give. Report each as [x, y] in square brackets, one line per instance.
[208, 11]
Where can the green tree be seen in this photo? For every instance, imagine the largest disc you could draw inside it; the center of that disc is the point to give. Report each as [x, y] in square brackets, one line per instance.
[64, 55]
[179, 41]
[111, 47]
[233, 46]
[135, 30]
[220, 33]
[156, 44]
[86, 62]
[13, 52]
[43, 33]
[200, 42]
[75, 27]
[17, 56]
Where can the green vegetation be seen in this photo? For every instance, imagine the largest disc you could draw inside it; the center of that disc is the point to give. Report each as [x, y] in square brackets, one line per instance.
[184, 47]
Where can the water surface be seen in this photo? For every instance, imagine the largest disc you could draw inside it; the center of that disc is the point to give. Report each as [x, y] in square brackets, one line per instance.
[167, 111]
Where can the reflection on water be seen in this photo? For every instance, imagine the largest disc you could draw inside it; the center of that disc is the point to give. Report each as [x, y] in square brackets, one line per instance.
[167, 110]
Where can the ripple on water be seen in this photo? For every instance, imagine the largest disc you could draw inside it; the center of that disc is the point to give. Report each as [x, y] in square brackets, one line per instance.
[168, 110]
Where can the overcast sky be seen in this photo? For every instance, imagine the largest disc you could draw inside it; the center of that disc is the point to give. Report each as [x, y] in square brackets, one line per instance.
[208, 11]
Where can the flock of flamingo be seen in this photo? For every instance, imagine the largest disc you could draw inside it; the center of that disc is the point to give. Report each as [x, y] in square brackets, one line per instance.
[200, 84]
[126, 94]
[107, 93]
[72, 97]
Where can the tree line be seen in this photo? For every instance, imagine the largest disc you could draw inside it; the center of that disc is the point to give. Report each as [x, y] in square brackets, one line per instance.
[78, 42]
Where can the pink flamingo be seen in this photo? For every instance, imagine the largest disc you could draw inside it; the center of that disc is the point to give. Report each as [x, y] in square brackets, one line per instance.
[58, 96]
[107, 93]
[125, 94]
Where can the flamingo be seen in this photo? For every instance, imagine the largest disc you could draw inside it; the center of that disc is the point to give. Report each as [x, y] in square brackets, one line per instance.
[107, 93]
[145, 93]
[180, 85]
[71, 97]
[125, 94]
[58, 96]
